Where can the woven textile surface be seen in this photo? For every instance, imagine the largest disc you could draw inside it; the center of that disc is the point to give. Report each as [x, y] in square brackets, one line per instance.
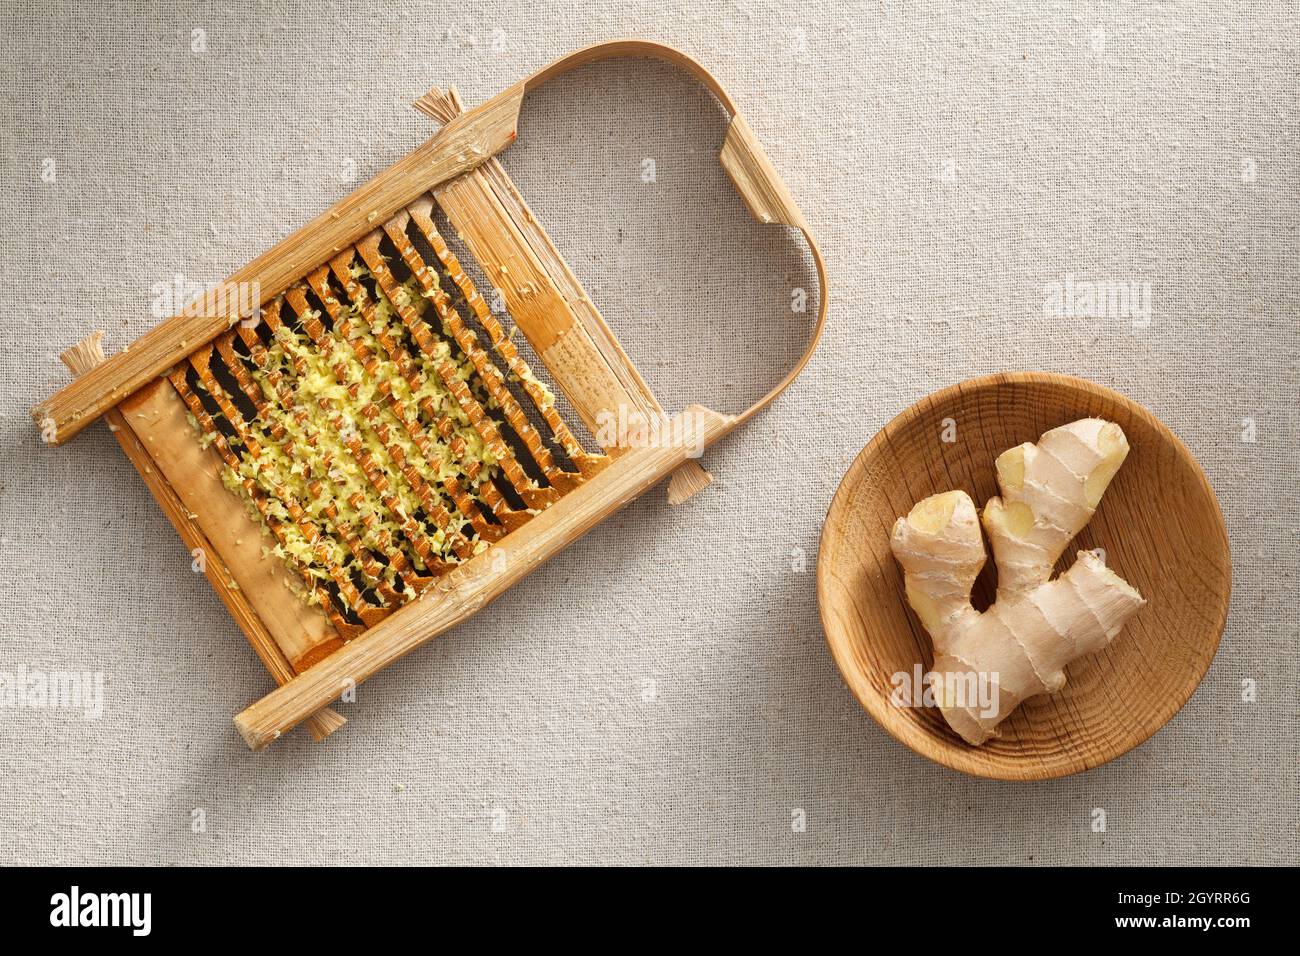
[661, 692]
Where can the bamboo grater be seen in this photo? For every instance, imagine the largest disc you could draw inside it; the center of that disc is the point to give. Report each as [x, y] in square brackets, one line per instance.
[359, 453]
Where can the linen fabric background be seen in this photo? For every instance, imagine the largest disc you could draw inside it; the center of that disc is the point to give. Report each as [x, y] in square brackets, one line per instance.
[661, 692]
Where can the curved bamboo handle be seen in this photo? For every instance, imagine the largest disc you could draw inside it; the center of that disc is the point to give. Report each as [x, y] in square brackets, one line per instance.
[746, 163]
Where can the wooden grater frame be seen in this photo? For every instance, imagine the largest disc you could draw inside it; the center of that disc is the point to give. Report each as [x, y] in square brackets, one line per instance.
[579, 351]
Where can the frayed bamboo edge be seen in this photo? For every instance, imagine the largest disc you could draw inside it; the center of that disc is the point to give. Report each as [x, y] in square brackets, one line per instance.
[687, 482]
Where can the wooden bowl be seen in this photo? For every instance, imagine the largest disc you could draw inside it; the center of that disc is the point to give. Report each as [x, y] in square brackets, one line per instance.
[1159, 524]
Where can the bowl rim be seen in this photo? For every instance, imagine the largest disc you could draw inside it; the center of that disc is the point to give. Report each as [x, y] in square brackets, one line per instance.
[943, 752]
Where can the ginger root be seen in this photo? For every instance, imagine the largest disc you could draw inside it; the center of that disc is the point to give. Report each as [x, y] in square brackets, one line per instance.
[986, 664]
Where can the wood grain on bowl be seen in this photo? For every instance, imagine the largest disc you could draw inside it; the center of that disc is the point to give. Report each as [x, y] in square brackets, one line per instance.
[1160, 527]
